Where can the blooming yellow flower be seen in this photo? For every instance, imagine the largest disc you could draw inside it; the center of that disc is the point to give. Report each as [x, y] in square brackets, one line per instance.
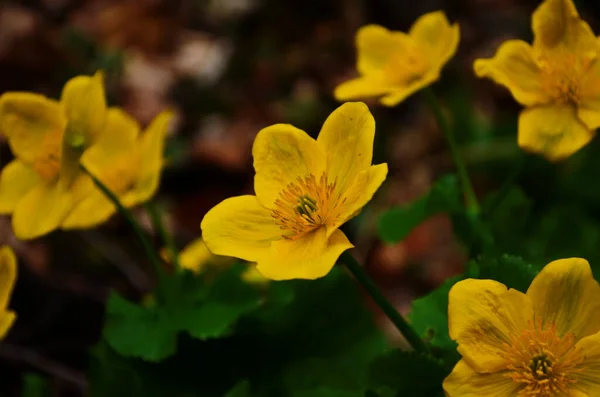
[394, 65]
[196, 257]
[8, 276]
[47, 138]
[540, 344]
[305, 190]
[557, 79]
[127, 163]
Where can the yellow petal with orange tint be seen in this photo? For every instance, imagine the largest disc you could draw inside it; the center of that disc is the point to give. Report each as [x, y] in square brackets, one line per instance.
[239, 227]
[513, 66]
[282, 154]
[566, 294]
[347, 138]
[554, 132]
[34, 126]
[309, 257]
[482, 316]
[464, 381]
[16, 180]
[436, 37]
[588, 380]
[84, 102]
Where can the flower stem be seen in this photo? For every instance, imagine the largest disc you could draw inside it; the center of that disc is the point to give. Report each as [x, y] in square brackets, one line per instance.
[144, 241]
[165, 235]
[471, 198]
[505, 188]
[403, 326]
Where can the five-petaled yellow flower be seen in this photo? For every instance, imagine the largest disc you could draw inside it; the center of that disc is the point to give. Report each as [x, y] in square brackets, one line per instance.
[557, 79]
[127, 163]
[394, 65]
[8, 277]
[543, 343]
[305, 190]
[47, 138]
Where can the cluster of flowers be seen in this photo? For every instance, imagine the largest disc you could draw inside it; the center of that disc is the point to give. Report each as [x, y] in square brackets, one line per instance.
[542, 343]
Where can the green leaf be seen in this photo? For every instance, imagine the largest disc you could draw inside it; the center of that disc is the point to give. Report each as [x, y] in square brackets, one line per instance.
[511, 271]
[398, 222]
[35, 385]
[138, 331]
[407, 374]
[325, 392]
[242, 389]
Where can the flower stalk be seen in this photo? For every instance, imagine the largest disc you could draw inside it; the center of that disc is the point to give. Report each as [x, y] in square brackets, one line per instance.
[390, 311]
[167, 238]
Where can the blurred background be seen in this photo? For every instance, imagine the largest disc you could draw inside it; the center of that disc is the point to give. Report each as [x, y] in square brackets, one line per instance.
[229, 68]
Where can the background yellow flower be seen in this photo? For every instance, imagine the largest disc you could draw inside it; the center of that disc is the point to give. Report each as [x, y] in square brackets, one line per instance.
[557, 79]
[305, 190]
[8, 277]
[394, 65]
[543, 343]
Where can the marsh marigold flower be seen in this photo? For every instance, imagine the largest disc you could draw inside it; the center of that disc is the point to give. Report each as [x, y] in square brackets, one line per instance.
[127, 162]
[305, 190]
[394, 65]
[8, 277]
[47, 138]
[557, 79]
[544, 343]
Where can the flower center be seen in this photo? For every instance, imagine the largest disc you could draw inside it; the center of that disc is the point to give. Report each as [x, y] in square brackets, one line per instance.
[564, 76]
[305, 205]
[542, 362]
[406, 66]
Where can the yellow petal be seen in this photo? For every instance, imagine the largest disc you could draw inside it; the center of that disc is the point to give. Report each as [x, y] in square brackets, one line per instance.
[151, 160]
[360, 193]
[436, 37]
[346, 138]
[195, 256]
[252, 276]
[375, 44]
[588, 112]
[556, 23]
[566, 294]
[310, 257]
[282, 154]
[464, 381]
[362, 87]
[239, 227]
[8, 275]
[482, 315]
[41, 210]
[399, 94]
[16, 180]
[34, 126]
[513, 66]
[7, 318]
[85, 106]
[93, 210]
[555, 132]
[588, 380]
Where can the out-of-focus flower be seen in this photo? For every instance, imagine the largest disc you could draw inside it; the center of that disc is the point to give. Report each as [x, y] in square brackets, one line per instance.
[543, 343]
[305, 190]
[128, 163]
[394, 65]
[557, 79]
[48, 138]
[8, 277]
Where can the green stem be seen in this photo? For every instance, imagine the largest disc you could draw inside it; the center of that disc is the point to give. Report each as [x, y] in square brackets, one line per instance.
[164, 234]
[505, 188]
[471, 198]
[146, 244]
[403, 326]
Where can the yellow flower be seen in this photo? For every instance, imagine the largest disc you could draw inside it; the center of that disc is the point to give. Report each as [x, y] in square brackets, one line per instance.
[127, 163]
[8, 277]
[394, 65]
[305, 190]
[540, 344]
[47, 138]
[196, 257]
[557, 79]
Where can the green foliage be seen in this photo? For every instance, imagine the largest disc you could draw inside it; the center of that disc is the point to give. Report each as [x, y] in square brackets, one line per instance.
[444, 196]
[204, 311]
[407, 374]
[35, 385]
